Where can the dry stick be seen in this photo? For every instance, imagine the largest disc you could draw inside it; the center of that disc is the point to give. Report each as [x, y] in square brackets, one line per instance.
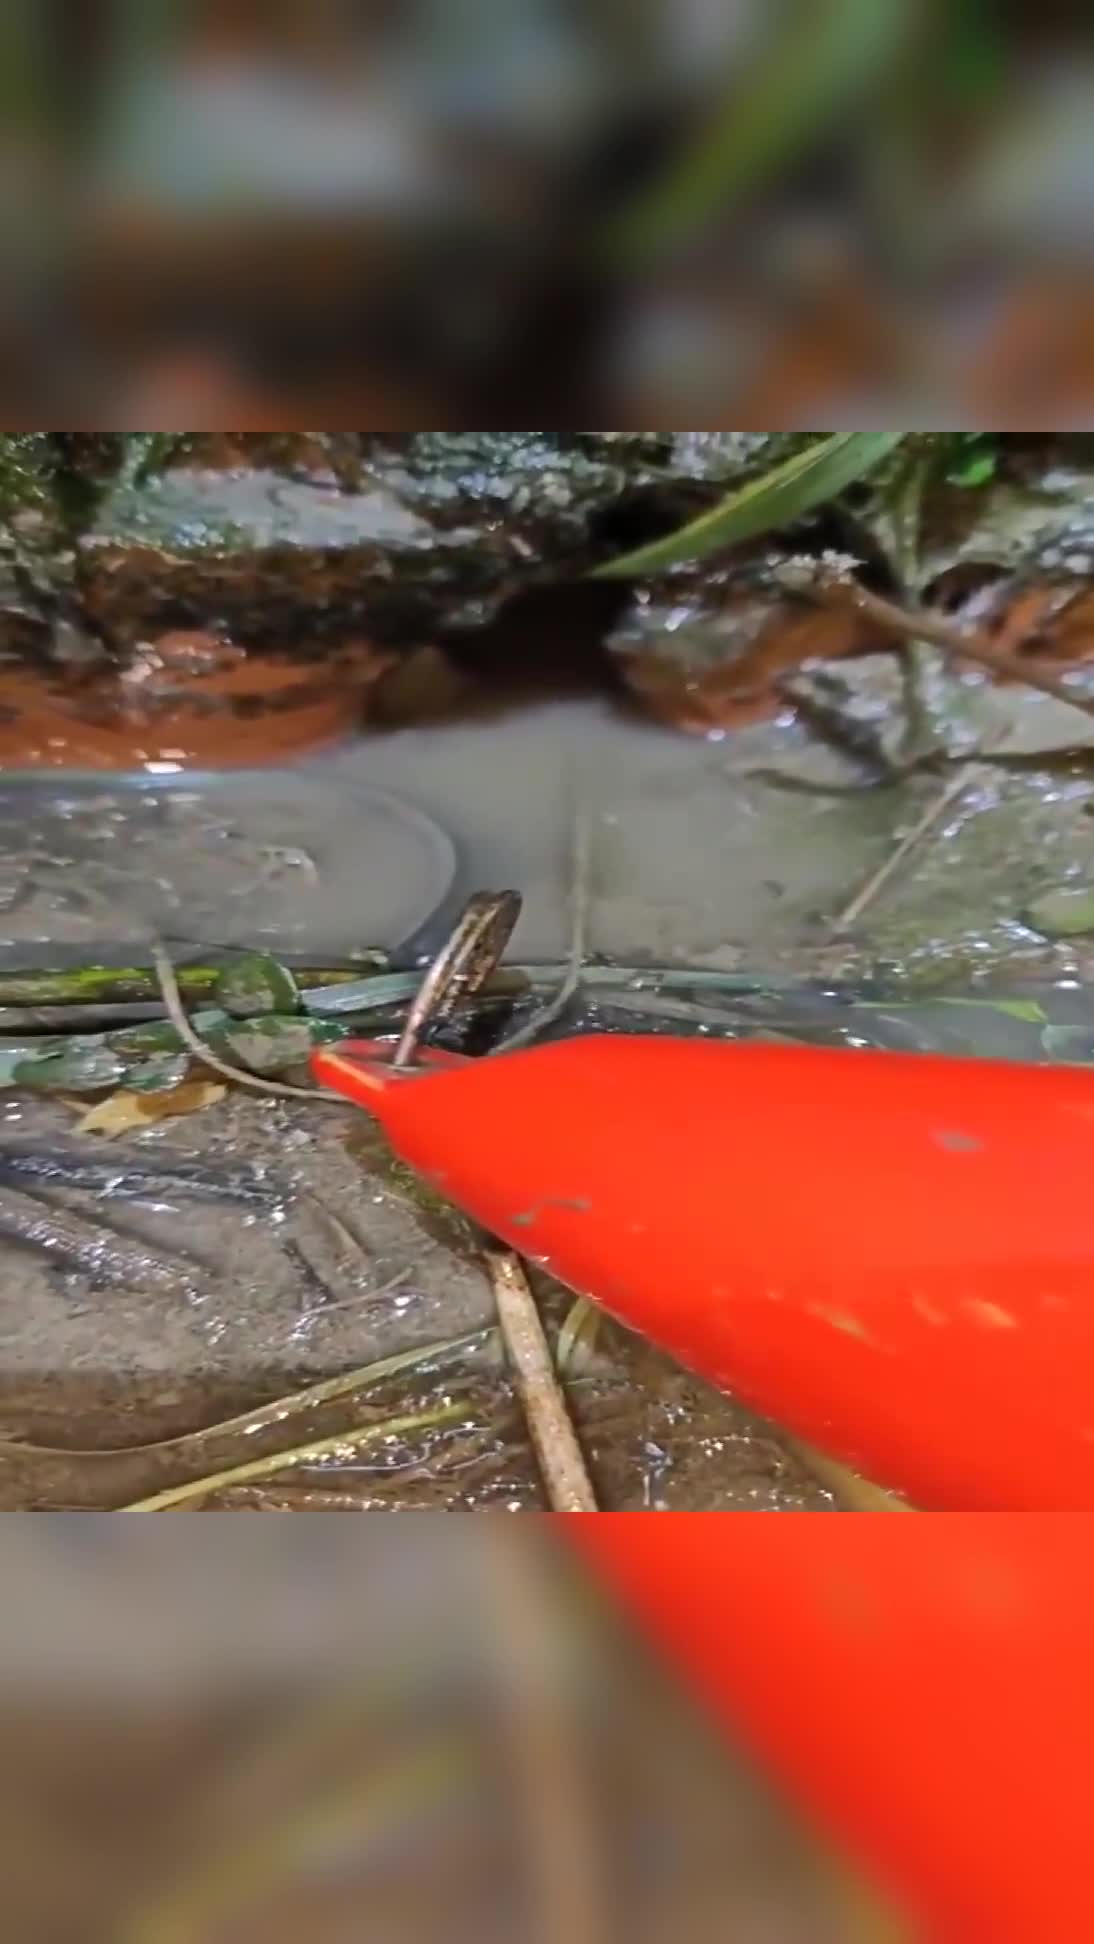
[970, 644]
[176, 1013]
[934, 811]
[549, 1424]
[565, 1853]
[369, 1295]
[553, 1437]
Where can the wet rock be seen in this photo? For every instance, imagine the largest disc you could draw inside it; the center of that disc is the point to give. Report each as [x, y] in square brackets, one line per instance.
[301, 547]
[707, 650]
[218, 578]
[35, 554]
[275, 555]
[1062, 911]
[289, 541]
[303, 538]
[1024, 512]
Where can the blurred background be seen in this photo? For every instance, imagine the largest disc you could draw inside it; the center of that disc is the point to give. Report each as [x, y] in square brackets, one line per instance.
[273, 1735]
[763, 213]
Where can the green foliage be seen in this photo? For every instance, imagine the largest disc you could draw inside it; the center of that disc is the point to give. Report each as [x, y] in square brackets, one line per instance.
[973, 459]
[798, 486]
[809, 74]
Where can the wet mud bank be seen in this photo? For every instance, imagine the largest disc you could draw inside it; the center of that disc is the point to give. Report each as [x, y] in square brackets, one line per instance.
[765, 788]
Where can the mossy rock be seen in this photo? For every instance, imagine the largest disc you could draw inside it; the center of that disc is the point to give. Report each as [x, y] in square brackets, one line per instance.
[294, 541]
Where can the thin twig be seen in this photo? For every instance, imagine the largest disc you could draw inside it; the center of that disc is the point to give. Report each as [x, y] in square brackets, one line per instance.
[934, 811]
[468, 957]
[579, 924]
[563, 1837]
[369, 1295]
[176, 1013]
[554, 1439]
[306, 1454]
[919, 738]
[970, 644]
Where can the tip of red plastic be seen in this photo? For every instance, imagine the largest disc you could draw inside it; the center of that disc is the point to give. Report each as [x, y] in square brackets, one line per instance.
[362, 1070]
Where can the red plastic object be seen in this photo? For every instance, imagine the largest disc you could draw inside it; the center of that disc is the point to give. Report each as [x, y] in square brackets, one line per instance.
[923, 1687]
[889, 1254]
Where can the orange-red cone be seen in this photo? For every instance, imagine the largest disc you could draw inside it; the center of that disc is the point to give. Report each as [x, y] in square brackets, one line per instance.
[891, 1255]
[923, 1687]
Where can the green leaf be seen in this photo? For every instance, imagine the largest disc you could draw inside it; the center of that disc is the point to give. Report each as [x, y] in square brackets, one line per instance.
[12, 1054]
[257, 984]
[71, 1069]
[267, 1045]
[155, 1036]
[209, 1024]
[975, 471]
[162, 1074]
[974, 461]
[802, 483]
[811, 73]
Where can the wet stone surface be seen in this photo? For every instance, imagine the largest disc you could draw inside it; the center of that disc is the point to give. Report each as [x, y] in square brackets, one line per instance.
[295, 541]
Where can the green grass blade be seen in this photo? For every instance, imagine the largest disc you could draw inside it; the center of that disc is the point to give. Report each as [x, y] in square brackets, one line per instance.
[812, 73]
[802, 483]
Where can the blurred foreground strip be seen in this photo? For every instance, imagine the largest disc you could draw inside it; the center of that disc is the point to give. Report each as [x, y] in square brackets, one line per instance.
[254, 1731]
[923, 1687]
[784, 211]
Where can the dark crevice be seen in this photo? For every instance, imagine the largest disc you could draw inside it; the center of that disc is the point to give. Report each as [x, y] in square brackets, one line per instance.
[547, 640]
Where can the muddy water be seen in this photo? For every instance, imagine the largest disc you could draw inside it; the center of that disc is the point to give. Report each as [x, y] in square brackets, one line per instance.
[686, 857]
[336, 1261]
[692, 855]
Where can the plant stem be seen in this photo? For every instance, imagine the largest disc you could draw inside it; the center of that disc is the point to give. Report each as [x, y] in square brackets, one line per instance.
[937, 807]
[970, 644]
[306, 1454]
[121, 985]
[263, 1415]
[176, 1013]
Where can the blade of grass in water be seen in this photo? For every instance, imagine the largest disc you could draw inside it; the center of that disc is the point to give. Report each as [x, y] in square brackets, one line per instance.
[262, 1416]
[354, 1439]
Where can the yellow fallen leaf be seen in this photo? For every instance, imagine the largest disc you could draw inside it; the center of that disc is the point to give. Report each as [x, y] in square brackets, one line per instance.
[124, 1112]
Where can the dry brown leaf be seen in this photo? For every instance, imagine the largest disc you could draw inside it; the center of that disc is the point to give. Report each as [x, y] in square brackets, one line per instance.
[124, 1111]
